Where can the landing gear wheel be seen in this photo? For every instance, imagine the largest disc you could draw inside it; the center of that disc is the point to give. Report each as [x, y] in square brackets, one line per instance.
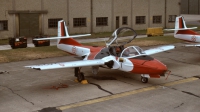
[80, 77]
[144, 79]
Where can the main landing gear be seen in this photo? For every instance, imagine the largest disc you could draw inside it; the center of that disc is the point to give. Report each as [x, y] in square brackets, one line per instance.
[144, 78]
[80, 75]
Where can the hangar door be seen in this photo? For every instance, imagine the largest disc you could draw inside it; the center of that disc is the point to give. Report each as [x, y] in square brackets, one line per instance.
[28, 25]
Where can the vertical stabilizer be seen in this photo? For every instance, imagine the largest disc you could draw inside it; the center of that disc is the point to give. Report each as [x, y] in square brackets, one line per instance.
[62, 29]
[63, 32]
[180, 24]
[181, 28]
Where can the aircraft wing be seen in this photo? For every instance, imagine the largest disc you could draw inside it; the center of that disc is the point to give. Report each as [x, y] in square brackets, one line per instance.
[71, 64]
[81, 63]
[159, 49]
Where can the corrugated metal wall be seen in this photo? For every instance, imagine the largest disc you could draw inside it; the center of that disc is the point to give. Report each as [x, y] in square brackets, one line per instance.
[190, 6]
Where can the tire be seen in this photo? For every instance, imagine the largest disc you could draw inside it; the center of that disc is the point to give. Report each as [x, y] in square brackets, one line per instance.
[144, 79]
[149, 35]
[36, 45]
[12, 46]
[80, 77]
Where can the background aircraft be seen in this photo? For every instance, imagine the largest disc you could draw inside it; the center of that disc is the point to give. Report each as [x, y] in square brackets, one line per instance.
[114, 56]
[182, 32]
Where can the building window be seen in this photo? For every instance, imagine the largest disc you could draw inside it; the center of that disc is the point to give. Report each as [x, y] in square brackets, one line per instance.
[125, 20]
[3, 25]
[172, 18]
[157, 19]
[53, 23]
[140, 19]
[79, 22]
[102, 21]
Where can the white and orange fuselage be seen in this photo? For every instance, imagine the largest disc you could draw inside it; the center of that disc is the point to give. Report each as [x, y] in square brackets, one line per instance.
[183, 33]
[188, 35]
[130, 59]
[152, 66]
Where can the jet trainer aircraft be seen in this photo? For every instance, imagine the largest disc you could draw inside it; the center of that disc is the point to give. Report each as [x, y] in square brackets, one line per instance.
[113, 56]
[183, 33]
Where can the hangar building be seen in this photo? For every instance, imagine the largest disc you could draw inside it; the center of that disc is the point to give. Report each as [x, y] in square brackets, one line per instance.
[190, 6]
[34, 17]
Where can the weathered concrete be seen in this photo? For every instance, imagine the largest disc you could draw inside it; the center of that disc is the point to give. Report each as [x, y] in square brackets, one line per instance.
[28, 90]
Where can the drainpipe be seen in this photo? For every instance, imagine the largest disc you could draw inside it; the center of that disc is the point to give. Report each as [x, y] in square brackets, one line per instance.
[198, 6]
[131, 13]
[149, 18]
[42, 19]
[112, 16]
[188, 7]
[14, 23]
[165, 25]
[68, 25]
[91, 19]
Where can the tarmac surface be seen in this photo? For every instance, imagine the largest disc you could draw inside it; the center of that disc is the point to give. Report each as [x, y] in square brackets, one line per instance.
[28, 90]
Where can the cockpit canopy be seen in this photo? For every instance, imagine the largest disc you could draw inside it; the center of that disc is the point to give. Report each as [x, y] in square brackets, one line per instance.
[121, 36]
[132, 51]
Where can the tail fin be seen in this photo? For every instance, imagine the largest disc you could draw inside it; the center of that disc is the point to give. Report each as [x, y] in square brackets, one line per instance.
[63, 35]
[63, 32]
[181, 28]
[180, 23]
[62, 29]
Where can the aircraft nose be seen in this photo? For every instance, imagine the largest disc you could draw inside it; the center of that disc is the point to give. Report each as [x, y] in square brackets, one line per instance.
[161, 67]
[157, 66]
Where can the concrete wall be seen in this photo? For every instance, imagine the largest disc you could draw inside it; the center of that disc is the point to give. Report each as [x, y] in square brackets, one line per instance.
[6, 5]
[80, 9]
[122, 8]
[173, 8]
[89, 9]
[138, 10]
[157, 8]
[28, 4]
[102, 8]
[56, 9]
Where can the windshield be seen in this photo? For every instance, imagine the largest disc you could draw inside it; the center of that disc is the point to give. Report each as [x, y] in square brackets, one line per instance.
[121, 36]
[132, 51]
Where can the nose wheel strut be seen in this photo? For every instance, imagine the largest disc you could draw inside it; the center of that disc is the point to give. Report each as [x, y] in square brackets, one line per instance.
[144, 78]
[80, 75]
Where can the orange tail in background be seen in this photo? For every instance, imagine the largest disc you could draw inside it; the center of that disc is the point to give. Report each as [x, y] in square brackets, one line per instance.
[63, 32]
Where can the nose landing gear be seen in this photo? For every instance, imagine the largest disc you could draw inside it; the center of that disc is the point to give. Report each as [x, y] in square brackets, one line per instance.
[144, 78]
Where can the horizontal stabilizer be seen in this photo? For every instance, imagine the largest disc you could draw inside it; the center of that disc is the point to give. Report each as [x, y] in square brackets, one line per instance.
[159, 49]
[63, 37]
[193, 45]
[181, 29]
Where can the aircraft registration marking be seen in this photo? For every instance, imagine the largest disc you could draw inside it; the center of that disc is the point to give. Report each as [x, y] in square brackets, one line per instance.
[125, 94]
[61, 64]
[193, 38]
[74, 50]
